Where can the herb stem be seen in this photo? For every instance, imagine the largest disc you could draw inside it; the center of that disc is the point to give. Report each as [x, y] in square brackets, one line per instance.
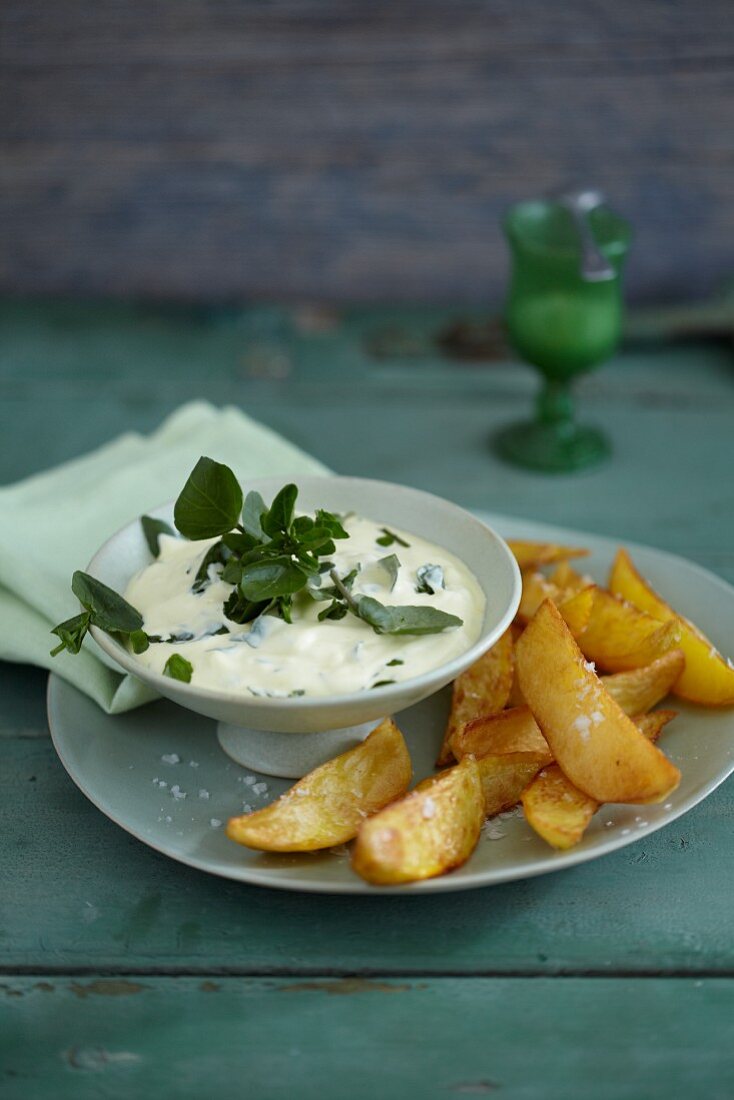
[344, 591]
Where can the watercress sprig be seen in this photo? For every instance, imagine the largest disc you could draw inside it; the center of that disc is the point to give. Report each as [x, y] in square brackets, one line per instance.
[268, 554]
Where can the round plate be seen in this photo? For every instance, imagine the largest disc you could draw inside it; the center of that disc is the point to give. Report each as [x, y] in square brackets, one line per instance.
[160, 774]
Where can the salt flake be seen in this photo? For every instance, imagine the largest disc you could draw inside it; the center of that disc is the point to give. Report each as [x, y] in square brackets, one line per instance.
[171, 758]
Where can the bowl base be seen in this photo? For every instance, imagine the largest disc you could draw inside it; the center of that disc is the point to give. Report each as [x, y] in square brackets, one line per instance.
[288, 755]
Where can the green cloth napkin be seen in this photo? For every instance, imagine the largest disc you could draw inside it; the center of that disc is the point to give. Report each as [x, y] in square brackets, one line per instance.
[53, 523]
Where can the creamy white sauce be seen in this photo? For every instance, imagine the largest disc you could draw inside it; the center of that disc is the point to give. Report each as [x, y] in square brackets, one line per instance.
[334, 657]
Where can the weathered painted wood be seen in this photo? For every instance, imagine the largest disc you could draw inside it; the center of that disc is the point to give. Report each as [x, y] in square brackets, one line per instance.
[78, 892]
[353, 151]
[521, 1040]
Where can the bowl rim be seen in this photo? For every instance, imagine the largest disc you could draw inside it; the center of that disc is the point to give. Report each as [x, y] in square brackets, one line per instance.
[391, 693]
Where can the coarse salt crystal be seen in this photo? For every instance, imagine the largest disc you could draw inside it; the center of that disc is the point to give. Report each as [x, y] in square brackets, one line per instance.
[193, 763]
[203, 793]
[590, 666]
[177, 792]
[214, 822]
[583, 725]
[171, 758]
[260, 788]
[249, 780]
[597, 717]
[169, 819]
[493, 831]
[246, 808]
[429, 808]
[159, 783]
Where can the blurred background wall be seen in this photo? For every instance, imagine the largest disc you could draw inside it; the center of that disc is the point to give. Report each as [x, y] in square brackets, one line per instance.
[331, 149]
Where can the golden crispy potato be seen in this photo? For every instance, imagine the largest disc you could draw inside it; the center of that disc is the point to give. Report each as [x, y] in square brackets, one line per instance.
[482, 689]
[565, 576]
[652, 724]
[328, 805]
[530, 555]
[618, 636]
[430, 831]
[511, 731]
[574, 604]
[558, 811]
[505, 777]
[596, 745]
[707, 678]
[535, 589]
[641, 688]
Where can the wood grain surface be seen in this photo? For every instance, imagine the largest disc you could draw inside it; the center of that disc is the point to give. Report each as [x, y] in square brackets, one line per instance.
[353, 151]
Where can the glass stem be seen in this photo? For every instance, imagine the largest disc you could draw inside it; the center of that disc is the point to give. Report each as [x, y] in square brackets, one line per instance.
[555, 404]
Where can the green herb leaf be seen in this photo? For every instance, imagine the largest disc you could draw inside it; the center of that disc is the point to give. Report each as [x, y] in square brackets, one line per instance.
[382, 683]
[404, 620]
[153, 529]
[395, 661]
[139, 641]
[391, 565]
[332, 523]
[430, 578]
[240, 610]
[337, 609]
[389, 537]
[280, 515]
[209, 503]
[215, 555]
[178, 668]
[109, 611]
[72, 633]
[253, 511]
[264, 580]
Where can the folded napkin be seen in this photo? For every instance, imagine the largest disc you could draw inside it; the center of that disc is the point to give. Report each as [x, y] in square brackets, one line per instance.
[53, 523]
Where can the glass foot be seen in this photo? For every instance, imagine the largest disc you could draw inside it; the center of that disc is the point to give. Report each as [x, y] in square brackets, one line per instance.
[552, 447]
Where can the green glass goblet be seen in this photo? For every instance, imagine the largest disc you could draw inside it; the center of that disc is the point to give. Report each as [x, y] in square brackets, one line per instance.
[564, 323]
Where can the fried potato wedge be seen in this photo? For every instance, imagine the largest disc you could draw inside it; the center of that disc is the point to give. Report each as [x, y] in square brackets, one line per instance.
[618, 636]
[652, 724]
[596, 745]
[505, 777]
[430, 831]
[482, 689]
[641, 688]
[557, 810]
[530, 555]
[511, 731]
[329, 804]
[708, 677]
[574, 604]
[565, 576]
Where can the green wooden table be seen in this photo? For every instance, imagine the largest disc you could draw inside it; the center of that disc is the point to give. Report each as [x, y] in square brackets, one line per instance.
[124, 974]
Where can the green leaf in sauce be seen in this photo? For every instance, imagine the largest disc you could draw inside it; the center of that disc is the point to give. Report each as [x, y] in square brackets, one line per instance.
[389, 537]
[153, 529]
[404, 620]
[209, 503]
[178, 668]
[108, 610]
[391, 565]
[430, 578]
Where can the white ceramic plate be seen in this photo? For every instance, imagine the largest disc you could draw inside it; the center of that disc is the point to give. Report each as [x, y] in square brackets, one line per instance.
[120, 763]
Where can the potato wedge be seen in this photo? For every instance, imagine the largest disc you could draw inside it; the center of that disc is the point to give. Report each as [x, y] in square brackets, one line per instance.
[535, 589]
[641, 688]
[556, 809]
[329, 804]
[482, 689]
[511, 731]
[430, 831]
[565, 576]
[618, 636]
[596, 745]
[652, 724]
[708, 677]
[530, 555]
[505, 777]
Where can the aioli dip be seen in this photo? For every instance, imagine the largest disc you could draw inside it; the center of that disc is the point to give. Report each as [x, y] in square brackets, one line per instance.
[272, 658]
